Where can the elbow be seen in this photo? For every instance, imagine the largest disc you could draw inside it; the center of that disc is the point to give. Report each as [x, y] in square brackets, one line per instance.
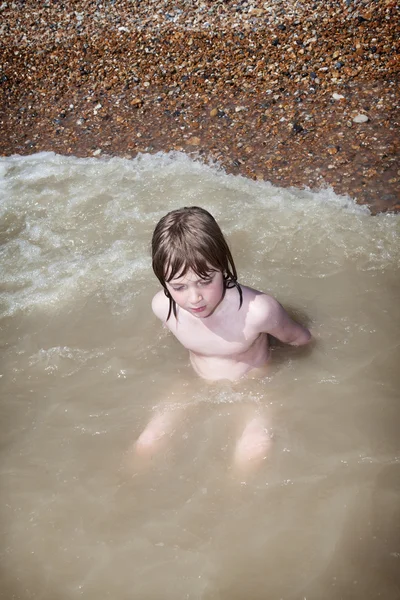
[302, 339]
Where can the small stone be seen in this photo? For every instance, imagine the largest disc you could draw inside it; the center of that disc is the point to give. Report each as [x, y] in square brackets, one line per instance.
[360, 118]
[297, 128]
[332, 150]
[97, 152]
[136, 102]
[214, 112]
[336, 96]
[193, 141]
[239, 108]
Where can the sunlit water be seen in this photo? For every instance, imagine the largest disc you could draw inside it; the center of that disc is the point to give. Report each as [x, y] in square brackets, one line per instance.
[84, 363]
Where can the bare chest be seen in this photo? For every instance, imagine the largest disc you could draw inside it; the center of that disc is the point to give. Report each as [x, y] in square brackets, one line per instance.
[226, 339]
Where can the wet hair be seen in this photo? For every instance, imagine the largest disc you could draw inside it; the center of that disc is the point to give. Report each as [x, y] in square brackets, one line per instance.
[190, 238]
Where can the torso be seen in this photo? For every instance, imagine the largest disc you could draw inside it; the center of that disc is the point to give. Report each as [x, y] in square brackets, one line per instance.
[225, 345]
[232, 366]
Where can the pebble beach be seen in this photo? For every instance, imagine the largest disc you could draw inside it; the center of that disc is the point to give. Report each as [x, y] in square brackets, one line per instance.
[297, 93]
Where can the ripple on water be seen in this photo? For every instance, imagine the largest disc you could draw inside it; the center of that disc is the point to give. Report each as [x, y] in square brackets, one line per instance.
[85, 364]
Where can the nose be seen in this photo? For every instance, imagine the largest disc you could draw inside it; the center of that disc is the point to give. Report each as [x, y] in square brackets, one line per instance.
[195, 296]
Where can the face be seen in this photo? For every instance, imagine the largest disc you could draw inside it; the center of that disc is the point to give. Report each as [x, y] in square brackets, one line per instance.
[198, 296]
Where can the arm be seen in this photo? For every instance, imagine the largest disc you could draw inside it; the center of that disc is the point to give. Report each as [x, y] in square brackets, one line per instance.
[275, 321]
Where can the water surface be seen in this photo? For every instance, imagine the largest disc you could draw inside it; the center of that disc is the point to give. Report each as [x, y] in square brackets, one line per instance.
[84, 363]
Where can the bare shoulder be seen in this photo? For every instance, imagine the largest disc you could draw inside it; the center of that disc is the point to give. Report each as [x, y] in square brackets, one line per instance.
[258, 302]
[267, 315]
[261, 306]
[160, 305]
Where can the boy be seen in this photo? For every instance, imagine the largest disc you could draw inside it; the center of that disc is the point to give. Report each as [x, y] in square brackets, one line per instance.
[223, 324]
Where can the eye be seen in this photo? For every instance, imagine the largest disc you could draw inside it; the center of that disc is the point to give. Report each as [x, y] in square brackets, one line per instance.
[178, 289]
[205, 281]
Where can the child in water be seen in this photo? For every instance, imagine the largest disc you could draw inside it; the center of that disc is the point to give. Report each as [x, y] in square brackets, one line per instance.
[223, 324]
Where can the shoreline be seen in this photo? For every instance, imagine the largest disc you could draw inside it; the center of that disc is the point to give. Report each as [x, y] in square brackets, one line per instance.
[267, 94]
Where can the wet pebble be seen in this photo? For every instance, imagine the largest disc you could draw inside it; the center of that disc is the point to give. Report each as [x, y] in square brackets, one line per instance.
[361, 118]
[297, 128]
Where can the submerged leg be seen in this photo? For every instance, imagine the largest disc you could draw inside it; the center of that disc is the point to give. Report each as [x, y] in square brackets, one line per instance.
[157, 430]
[254, 444]
[167, 415]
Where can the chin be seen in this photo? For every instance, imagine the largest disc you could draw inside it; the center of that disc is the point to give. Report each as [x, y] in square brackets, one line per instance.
[207, 313]
[202, 315]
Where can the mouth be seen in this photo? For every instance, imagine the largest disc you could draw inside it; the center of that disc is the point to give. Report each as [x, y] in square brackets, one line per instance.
[198, 310]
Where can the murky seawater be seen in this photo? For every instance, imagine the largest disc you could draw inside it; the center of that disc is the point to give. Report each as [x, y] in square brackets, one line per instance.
[84, 363]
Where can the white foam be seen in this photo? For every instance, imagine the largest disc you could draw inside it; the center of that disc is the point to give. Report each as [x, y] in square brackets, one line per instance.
[75, 225]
